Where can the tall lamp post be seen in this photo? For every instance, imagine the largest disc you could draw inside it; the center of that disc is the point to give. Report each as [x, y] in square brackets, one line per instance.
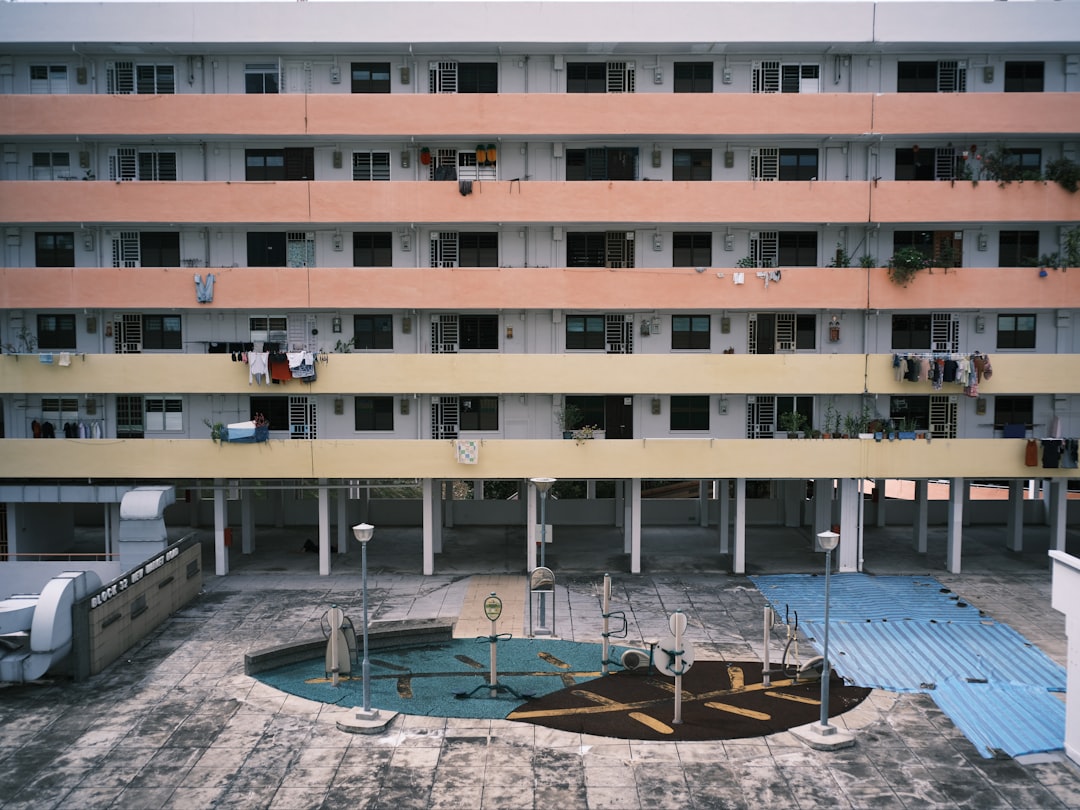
[543, 485]
[363, 532]
[828, 541]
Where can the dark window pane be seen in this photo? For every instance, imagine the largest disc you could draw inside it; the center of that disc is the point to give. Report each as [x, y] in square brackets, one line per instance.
[161, 332]
[691, 164]
[690, 331]
[1016, 331]
[1024, 77]
[478, 331]
[806, 332]
[1018, 248]
[373, 249]
[373, 413]
[275, 409]
[797, 249]
[916, 77]
[478, 249]
[478, 77]
[689, 413]
[1013, 410]
[479, 413]
[585, 332]
[373, 332]
[371, 77]
[911, 332]
[54, 249]
[693, 77]
[586, 77]
[691, 250]
[56, 331]
[266, 250]
[159, 249]
[798, 164]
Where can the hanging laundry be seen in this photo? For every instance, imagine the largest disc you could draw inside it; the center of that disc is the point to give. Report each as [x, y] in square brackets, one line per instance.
[258, 367]
[1051, 453]
[204, 290]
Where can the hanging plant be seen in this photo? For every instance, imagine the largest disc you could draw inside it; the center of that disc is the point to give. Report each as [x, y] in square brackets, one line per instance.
[905, 263]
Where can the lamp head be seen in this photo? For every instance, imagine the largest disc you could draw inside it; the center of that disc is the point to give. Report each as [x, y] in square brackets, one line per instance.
[828, 540]
[542, 484]
[363, 532]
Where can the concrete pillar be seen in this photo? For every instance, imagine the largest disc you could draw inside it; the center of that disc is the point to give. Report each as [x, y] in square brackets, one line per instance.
[428, 527]
[635, 525]
[590, 489]
[1065, 597]
[112, 529]
[620, 503]
[532, 518]
[343, 527]
[738, 562]
[957, 486]
[221, 553]
[723, 527]
[324, 529]
[1059, 500]
[922, 515]
[1014, 524]
[247, 521]
[447, 496]
[628, 517]
[194, 507]
[794, 493]
[847, 553]
[823, 492]
[440, 486]
[879, 512]
[703, 503]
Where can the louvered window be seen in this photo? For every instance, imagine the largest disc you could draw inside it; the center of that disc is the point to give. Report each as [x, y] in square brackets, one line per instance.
[164, 414]
[50, 166]
[619, 333]
[122, 78]
[444, 249]
[445, 417]
[931, 77]
[777, 77]
[444, 334]
[48, 79]
[760, 417]
[60, 409]
[469, 168]
[157, 165]
[600, 77]
[302, 418]
[371, 166]
[764, 248]
[269, 329]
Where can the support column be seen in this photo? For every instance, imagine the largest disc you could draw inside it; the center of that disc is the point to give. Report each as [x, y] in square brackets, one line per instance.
[446, 495]
[723, 527]
[794, 492]
[957, 487]
[879, 512]
[847, 556]
[922, 515]
[247, 521]
[628, 517]
[738, 562]
[324, 529]
[635, 525]
[112, 529]
[823, 492]
[1059, 500]
[1065, 597]
[221, 553]
[620, 503]
[342, 518]
[430, 505]
[441, 485]
[703, 503]
[194, 507]
[1014, 524]
[531, 518]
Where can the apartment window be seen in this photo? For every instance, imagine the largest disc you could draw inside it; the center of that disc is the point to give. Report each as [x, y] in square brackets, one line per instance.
[479, 413]
[1024, 164]
[266, 249]
[1016, 331]
[693, 77]
[691, 249]
[261, 77]
[930, 77]
[48, 79]
[373, 413]
[915, 411]
[373, 332]
[1024, 77]
[129, 417]
[463, 77]
[159, 249]
[797, 249]
[50, 166]
[798, 164]
[165, 414]
[478, 249]
[478, 332]
[130, 163]
[600, 77]
[690, 331]
[1014, 410]
[371, 166]
[913, 163]
[155, 79]
[56, 249]
[691, 164]
[804, 406]
[296, 163]
[610, 249]
[56, 331]
[911, 332]
[777, 77]
[371, 77]
[602, 163]
[161, 332]
[584, 332]
[373, 249]
[689, 413]
[591, 411]
[275, 409]
[1018, 248]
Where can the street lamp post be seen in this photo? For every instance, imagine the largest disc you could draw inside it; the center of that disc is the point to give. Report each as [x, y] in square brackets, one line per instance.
[828, 541]
[363, 532]
[543, 485]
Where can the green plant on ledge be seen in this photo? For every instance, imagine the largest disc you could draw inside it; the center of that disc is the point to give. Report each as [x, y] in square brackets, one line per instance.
[793, 423]
[1064, 172]
[217, 430]
[905, 263]
[584, 433]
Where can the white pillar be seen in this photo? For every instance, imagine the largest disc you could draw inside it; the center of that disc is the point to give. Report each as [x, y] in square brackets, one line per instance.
[847, 553]
[1014, 524]
[247, 521]
[221, 553]
[342, 518]
[440, 486]
[628, 517]
[324, 529]
[1059, 501]
[722, 524]
[112, 517]
[922, 515]
[957, 487]
[635, 525]
[738, 562]
[430, 505]
[531, 518]
[703, 503]
[1065, 597]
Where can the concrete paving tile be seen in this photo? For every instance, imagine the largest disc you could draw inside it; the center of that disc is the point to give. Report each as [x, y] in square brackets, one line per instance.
[318, 756]
[201, 776]
[608, 776]
[407, 757]
[159, 776]
[508, 775]
[614, 798]
[763, 785]
[298, 798]
[498, 797]
[145, 798]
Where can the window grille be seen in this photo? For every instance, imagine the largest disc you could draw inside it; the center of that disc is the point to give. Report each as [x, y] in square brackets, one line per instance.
[764, 248]
[944, 332]
[444, 249]
[619, 333]
[445, 334]
[952, 77]
[442, 77]
[302, 418]
[943, 411]
[445, 417]
[765, 163]
[620, 77]
[619, 249]
[300, 249]
[125, 249]
[371, 166]
[785, 331]
[760, 417]
[128, 335]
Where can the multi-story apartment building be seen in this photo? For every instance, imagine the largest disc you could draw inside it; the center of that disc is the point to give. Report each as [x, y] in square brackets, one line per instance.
[682, 227]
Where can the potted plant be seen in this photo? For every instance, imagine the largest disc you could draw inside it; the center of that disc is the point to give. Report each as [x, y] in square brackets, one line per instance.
[907, 427]
[583, 433]
[852, 424]
[905, 263]
[569, 418]
[793, 423]
[217, 430]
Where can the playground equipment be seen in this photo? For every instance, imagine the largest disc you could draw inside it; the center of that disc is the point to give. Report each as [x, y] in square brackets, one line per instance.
[493, 610]
[809, 670]
[340, 643]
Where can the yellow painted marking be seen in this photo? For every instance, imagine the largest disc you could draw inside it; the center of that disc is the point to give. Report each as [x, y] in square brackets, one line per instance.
[652, 722]
[600, 699]
[568, 680]
[641, 704]
[341, 678]
[738, 680]
[551, 659]
[724, 707]
[375, 662]
[469, 662]
[404, 686]
[793, 698]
